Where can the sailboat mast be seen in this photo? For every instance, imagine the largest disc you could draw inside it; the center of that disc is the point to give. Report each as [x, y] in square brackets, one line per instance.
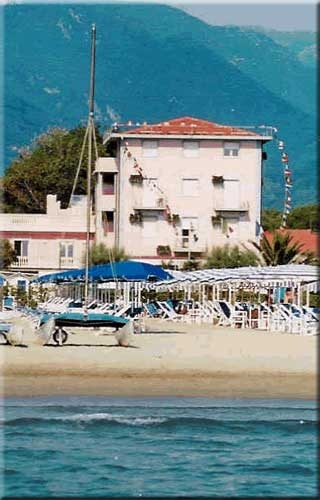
[90, 137]
[92, 70]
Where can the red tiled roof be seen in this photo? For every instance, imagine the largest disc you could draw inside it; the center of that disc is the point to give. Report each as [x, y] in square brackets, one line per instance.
[189, 126]
[304, 237]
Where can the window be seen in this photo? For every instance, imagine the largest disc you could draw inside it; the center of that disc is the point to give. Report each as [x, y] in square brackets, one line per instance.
[191, 149]
[66, 253]
[108, 222]
[21, 248]
[150, 149]
[188, 230]
[231, 149]
[108, 183]
[190, 187]
[185, 238]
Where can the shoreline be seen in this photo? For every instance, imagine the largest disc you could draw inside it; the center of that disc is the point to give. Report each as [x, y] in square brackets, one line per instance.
[180, 360]
[229, 386]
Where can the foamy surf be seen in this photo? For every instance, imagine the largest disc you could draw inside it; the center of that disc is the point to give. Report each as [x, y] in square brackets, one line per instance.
[109, 417]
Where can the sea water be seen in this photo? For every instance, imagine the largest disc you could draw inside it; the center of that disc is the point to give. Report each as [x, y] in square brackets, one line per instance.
[109, 447]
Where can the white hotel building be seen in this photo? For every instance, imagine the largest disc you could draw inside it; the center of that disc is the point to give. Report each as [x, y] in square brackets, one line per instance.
[167, 191]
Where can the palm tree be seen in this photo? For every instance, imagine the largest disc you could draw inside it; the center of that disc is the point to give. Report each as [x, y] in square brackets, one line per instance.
[101, 254]
[279, 249]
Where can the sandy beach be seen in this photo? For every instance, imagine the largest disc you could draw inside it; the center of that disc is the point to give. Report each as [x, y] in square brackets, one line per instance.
[169, 359]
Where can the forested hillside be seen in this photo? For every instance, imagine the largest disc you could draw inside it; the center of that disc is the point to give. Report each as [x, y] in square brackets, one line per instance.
[154, 63]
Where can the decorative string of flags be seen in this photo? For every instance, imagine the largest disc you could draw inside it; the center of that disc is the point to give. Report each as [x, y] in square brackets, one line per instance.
[287, 185]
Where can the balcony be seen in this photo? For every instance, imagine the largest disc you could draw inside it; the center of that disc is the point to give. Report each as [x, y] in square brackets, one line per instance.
[184, 250]
[157, 205]
[143, 208]
[66, 261]
[20, 262]
[242, 207]
[188, 245]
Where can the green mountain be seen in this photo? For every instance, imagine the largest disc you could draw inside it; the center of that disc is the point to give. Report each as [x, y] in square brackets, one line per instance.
[155, 63]
[303, 44]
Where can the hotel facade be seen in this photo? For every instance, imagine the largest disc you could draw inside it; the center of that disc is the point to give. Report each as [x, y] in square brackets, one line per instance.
[169, 191]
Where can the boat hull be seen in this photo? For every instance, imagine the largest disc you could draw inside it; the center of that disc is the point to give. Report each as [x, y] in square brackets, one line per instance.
[89, 320]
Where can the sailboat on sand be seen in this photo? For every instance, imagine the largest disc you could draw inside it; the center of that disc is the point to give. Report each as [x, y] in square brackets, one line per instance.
[54, 327]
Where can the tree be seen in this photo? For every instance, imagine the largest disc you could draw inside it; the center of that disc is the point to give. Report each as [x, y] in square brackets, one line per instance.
[7, 254]
[48, 166]
[279, 249]
[101, 254]
[270, 219]
[191, 265]
[230, 256]
[304, 217]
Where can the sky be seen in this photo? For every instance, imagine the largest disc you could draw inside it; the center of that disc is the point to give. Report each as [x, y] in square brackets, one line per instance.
[284, 15]
[281, 16]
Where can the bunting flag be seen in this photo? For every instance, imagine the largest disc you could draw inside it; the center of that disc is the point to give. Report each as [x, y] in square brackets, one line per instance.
[287, 184]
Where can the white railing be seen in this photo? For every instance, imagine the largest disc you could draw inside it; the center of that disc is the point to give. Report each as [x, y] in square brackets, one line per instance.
[241, 207]
[66, 261]
[185, 245]
[20, 262]
[20, 219]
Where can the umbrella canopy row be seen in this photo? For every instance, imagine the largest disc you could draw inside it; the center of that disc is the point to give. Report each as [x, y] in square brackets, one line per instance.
[298, 272]
[122, 271]
[141, 271]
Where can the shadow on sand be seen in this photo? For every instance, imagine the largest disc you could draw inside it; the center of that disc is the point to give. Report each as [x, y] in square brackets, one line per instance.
[93, 345]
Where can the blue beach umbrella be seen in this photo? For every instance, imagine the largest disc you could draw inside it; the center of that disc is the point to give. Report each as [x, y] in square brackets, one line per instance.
[128, 270]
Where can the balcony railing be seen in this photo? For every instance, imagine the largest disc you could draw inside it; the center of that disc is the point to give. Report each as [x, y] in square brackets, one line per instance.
[148, 208]
[241, 207]
[20, 262]
[265, 130]
[157, 204]
[186, 245]
[66, 261]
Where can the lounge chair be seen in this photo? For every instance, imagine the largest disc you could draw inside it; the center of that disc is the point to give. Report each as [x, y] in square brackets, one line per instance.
[152, 310]
[168, 312]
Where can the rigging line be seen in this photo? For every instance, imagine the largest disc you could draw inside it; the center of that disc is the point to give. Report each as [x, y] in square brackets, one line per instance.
[79, 164]
[111, 256]
[95, 143]
[86, 284]
[112, 262]
[89, 166]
